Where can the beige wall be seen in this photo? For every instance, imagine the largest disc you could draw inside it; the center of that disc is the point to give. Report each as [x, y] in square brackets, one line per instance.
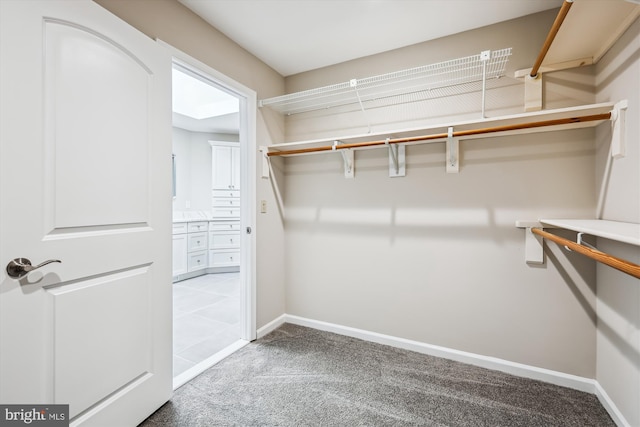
[618, 304]
[171, 22]
[436, 257]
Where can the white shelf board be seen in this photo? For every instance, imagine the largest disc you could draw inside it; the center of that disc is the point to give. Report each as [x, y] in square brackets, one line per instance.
[528, 117]
[625, 232]
[589, 30]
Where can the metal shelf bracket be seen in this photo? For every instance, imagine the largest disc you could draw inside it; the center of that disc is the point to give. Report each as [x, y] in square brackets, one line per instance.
[348, 158]
[453, 165]
[396, 159]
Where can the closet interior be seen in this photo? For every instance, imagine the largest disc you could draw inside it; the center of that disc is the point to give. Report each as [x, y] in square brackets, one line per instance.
[563, 49]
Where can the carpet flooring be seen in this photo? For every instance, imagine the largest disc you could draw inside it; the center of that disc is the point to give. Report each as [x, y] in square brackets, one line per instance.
[298, 376]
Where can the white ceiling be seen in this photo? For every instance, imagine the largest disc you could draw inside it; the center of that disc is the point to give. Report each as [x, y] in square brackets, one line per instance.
[294, 36]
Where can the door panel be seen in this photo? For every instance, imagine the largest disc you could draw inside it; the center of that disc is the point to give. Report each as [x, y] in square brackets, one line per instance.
[95, 94]
[114, 336]
[85, 177]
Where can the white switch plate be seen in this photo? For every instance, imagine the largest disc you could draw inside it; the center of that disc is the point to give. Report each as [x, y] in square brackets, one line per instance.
[263, 206]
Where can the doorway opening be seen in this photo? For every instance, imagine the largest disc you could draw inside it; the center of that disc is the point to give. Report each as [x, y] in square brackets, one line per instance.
[213, 285]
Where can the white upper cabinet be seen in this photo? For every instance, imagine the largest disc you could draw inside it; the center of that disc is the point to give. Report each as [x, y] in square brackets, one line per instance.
[225, 165]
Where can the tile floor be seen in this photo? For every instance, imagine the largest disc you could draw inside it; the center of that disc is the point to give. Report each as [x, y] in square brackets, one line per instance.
[206, 318]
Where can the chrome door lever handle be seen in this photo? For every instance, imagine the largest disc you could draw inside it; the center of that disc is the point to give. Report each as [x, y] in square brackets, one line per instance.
[19, 267]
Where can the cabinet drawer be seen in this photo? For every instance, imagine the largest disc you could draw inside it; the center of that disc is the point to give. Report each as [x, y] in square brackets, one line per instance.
[195, 227]
[226, 203]
[225, 193]
[224, 258]
[196, 241]
[197, 260]
[224, 226]
[223, 241]
[226, 213]
[179, 227]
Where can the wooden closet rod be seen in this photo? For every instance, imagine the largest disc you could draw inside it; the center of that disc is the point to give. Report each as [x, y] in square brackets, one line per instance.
[617, 263]
[460, 133]
[551, 36]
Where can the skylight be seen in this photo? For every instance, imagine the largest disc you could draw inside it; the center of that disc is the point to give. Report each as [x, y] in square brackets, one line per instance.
[195, 98]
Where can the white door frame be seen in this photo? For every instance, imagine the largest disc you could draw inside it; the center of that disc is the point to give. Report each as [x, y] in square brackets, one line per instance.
[248, 150]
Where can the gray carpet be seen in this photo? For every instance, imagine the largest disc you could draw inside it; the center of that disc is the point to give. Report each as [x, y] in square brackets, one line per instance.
[298, 376]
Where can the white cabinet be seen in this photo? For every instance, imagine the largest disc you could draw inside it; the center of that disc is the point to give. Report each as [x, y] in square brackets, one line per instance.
[196, 242]
[201, 247]
[190, 245]
[225, 179]
[197, 245]
[179, 249]
[225, 163]
[224, 231]
[197, 227]
[224, 258]
[197, 260]
[224, 243]
[226, 204]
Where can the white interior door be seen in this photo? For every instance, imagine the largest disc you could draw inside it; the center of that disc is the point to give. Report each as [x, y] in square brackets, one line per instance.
[85, 178]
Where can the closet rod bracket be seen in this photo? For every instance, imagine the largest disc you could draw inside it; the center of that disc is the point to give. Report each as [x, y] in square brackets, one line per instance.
[348, 158]
[396, 159]
[580, 241]
[533, 244]
[618, 123]
[533, 247]
[453, 164]
[265, 161]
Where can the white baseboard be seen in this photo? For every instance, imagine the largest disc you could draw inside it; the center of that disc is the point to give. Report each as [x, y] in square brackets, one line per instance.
[272, 326]
[575, 382]
[611, 407]
[519, 369]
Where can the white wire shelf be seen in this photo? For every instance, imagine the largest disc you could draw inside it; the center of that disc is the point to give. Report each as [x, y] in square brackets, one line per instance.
[420, 83]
